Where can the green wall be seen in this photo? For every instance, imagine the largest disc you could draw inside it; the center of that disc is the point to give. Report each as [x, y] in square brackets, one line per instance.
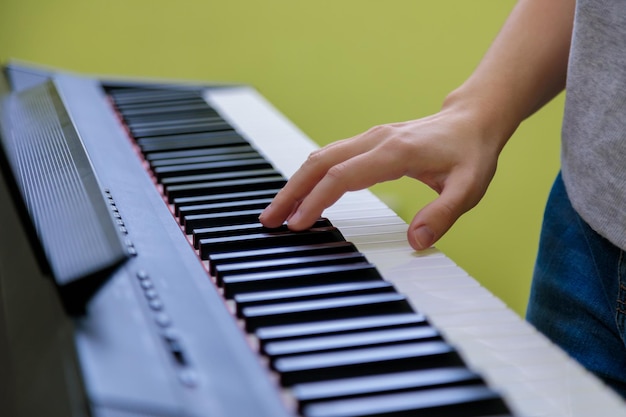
[335, 68]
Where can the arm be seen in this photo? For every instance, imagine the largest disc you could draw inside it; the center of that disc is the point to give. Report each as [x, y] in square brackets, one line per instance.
[454, 151]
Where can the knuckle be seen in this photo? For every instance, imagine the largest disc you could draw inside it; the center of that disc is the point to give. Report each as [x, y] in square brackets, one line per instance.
[338, 172]
[449, 211]
[315, 160]
[374, 130]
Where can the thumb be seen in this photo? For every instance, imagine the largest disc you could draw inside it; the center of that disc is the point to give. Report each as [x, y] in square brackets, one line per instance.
[437, 217]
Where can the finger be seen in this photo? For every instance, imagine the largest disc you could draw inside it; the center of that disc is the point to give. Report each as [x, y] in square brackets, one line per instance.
[303, 181]
[354, 174]
[436, 218]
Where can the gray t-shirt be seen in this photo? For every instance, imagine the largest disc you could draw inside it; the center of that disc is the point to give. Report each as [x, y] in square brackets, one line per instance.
[594, 125]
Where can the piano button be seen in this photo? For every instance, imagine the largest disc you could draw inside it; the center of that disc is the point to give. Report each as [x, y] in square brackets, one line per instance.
[260, 203]
[385, 383]
[269, 239]
[156, 304]
[279, 252]
[151, 294]
[220, 176]
[146, 284]
[188, 377]
[226, 186]
[210, 167]
[299, 277]
[288, 263]
[310, 293]
[228, 218]
[466, 401]
[349, 341]
[176, 350]
[316, 328]
[367, 361]
[163, 319]
[324, 309]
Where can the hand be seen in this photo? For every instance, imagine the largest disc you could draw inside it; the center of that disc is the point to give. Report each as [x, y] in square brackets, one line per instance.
[445, 151]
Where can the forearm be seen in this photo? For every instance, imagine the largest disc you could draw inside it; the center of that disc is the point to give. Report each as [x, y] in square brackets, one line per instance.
[524, 68]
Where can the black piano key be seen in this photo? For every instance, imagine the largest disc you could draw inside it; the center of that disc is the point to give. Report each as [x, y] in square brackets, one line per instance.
[226, 218]
[168, 143]
[175, 110]
[386, 383]
[349, 341]
[270, 239]
[214, 151]
[310, 293]
[327, 327]
[193, 156]
[223, 198]
[367, 361]
[223, 206]
[125, 98]
[216, 125]
[220, 176]
[287, 263]
[211, 167]
[223, 237]
[164, 120]
[239, 232]
[279, 252]
[466, 401]
[298, 277]
[227, 186]
[170, 108]
[323, 309]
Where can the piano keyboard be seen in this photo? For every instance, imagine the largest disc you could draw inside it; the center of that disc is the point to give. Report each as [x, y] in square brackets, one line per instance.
[355, 330]
[351, 320]
[212, 314]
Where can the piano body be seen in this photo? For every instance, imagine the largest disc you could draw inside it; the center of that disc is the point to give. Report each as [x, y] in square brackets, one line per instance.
[135, 280]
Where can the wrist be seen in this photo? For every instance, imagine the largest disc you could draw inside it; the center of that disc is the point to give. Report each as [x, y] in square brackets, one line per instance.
[491, 120]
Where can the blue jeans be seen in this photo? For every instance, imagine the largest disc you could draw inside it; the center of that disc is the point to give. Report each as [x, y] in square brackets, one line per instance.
[578, 293]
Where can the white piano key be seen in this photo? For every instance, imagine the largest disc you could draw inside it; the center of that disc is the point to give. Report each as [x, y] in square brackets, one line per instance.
[374, 229]
[366, 213]
[355, 224]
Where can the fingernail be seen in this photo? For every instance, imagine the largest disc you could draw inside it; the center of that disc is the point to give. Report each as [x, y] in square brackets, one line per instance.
[424, 237]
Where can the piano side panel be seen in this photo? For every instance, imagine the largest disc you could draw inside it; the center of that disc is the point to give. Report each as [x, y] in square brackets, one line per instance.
[38, 366]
